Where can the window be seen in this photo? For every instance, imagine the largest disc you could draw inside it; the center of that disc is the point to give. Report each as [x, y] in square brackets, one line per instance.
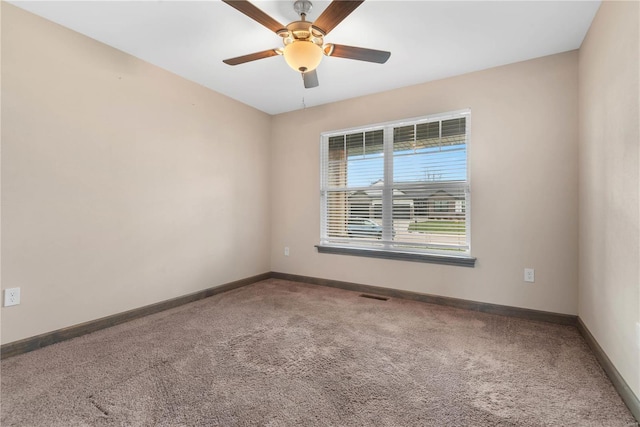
[398, 187]
[442, 205]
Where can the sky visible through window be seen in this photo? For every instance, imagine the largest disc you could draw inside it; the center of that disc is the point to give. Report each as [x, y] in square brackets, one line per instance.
[434, 164]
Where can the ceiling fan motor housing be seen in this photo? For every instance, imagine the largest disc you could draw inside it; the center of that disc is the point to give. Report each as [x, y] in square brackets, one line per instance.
[301, 31]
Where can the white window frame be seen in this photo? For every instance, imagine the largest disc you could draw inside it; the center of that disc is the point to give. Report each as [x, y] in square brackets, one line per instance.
[387, 248]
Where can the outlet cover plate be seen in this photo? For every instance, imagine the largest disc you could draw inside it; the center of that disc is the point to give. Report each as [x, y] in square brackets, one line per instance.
[11, 297]
[529, 275]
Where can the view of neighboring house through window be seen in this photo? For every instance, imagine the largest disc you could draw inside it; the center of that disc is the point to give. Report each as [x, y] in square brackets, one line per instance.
[398, 186]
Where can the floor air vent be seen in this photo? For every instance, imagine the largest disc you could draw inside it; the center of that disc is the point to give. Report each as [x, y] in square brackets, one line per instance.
[374, 297]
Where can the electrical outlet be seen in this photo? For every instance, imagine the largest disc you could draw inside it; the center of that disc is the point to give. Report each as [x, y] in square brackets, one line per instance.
[11, 297]
[286, 251]
[529, 275]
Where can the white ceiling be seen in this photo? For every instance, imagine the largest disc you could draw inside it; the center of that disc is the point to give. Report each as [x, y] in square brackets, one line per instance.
[428, 40]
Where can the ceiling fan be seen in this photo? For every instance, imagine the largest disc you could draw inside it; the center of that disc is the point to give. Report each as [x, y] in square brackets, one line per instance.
[303, 41]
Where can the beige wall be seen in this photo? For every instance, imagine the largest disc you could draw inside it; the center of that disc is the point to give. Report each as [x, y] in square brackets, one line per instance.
[523, 163]
[1, 286]
[122, 184]
[609, 260]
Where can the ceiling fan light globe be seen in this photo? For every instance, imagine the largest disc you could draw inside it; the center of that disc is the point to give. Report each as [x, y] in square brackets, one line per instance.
[302, 55]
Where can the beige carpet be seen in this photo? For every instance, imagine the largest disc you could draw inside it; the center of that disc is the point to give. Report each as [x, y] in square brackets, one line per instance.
[279, 353]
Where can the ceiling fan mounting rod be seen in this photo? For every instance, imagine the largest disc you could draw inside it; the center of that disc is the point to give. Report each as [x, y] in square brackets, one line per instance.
[302, 8]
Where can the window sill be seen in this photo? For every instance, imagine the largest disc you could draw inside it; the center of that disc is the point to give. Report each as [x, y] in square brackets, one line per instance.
[462, 261]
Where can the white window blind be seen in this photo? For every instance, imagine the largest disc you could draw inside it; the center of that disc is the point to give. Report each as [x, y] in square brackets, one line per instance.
[398, 186]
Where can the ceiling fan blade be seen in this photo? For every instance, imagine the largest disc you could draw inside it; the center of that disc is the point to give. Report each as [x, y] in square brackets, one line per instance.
[358, 53]
[256, 14]
[310, 79]
[335, 13]
[251, 57]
